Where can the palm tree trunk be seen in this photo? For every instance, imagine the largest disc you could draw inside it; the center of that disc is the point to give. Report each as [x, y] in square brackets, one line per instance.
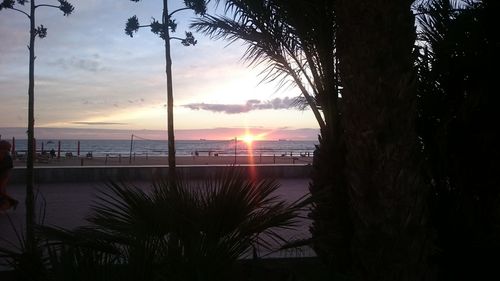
[170, 95]
[30, 200]
[387, 193]
[332, 228]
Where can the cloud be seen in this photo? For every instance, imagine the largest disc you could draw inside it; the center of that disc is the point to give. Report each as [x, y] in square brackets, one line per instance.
[92, 64]
[98, 123]
[136, 101]
[250, 105]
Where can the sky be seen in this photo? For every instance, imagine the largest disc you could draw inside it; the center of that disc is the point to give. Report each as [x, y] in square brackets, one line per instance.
[90, 75]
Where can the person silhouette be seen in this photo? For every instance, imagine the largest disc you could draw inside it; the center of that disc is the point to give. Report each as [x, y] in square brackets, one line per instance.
[6, 165]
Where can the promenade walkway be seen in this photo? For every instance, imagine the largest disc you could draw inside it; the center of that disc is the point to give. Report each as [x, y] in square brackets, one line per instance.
[125, 160]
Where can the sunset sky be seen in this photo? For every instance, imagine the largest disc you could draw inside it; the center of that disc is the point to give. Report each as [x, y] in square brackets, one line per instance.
[89, 74]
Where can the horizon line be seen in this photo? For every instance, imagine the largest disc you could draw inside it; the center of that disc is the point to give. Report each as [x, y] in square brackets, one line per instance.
[210, 134]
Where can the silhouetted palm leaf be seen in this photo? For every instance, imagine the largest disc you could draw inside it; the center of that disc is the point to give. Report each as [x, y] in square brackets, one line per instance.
[278, 35]
[295, 43]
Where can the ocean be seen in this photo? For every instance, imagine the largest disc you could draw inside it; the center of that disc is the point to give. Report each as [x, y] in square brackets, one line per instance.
[144, 147]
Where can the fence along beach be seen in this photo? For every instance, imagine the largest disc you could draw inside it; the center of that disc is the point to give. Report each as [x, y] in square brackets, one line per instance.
[141, 151]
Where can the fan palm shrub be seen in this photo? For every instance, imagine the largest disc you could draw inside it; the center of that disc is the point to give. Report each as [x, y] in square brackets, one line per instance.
[26, 264]
[184, 231]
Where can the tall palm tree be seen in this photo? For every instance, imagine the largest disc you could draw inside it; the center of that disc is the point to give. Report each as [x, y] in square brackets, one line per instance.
[34, 32]
[295, 40]
[375, 42]
[163, 29]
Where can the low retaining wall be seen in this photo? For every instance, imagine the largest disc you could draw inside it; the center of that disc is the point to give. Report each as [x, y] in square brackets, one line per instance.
[105, 173]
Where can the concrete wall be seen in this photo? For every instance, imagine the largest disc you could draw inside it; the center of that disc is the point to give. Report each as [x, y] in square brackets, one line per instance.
[104, 173]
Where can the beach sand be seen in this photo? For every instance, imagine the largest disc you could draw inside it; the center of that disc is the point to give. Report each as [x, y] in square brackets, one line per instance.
[159, 160]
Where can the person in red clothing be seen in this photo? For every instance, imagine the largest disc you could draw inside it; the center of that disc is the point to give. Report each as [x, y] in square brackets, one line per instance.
[6, 165]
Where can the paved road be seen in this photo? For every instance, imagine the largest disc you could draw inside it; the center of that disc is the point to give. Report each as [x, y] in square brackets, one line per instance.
[67, 204]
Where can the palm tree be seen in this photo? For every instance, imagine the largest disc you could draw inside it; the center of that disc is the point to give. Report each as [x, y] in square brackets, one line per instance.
[35, 32]
[375, 41]
[186, 231]
[457, 105]
[163, 30]
[296, 41]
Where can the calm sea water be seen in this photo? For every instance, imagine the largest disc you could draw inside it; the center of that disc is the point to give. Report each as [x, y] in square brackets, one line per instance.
[183, 147]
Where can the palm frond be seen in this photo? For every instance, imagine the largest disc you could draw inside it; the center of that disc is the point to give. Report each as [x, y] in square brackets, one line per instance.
[121, 209]
[288, 37]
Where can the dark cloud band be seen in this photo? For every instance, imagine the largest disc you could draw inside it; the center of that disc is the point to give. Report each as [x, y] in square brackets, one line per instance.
[250, 105]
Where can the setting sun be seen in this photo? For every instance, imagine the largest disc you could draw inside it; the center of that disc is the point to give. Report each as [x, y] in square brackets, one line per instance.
[248, 138]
